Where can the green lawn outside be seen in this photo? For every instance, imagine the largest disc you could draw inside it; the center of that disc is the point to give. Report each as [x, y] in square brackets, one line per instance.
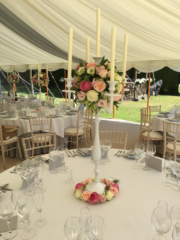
[130, 110]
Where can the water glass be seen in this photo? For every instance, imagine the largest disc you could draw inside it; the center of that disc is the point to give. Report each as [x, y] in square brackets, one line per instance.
[62, 153]
[95, 224]
[161, 221]
[138, 150]
[150, 151]
[107, 147]
[86, 236]
[175, 214]
[84, 214]
[53, 155]
[167, 170]
[176, 232]
[176, 171]
[72, 228]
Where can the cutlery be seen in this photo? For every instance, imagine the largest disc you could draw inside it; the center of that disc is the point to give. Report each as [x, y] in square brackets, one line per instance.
[117, 153]
[81, 152]
[5, 185]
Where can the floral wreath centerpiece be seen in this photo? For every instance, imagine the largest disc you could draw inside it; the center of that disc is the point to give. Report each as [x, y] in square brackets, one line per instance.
[42, 79]
[110, 191]
[13, 78]
[91, 84]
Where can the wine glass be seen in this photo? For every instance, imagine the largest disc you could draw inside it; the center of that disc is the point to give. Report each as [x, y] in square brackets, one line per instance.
[73, 227]
[107, 146]
[176, 171]
[138, 150]
[86, 236]
[161, 221]
[167, 170]
[163, 204]
[84, 214]
[62, 153]
[39, 201]
[25, 207]
[175, 214]
[38, 170]
[6, 212]
[150, 151]
[176, 232]
[53, 155]
[95, 224]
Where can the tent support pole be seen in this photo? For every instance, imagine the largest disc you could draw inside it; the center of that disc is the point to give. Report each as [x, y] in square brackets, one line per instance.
[148, 94]
[114, 108]
[65, 84]
[47, 85]
[15, 87]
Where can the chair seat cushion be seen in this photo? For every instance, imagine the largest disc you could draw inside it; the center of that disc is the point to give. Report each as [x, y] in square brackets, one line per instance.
[10, 140]
[170, 146]
[73, 131]
[154, 135]
[41, 138]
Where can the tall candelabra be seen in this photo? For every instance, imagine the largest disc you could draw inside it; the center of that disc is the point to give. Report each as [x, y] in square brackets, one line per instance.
[96, 186]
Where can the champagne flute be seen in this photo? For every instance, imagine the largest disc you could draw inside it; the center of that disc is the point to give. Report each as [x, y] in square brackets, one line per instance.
[176, 171]
[138, 150]
[150, 151]
[62, 153]
[162, 204]
[167, 170]
[6, 212]
[84, 214]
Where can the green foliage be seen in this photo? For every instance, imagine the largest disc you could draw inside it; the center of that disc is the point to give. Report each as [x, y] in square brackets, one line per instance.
[103, 61]
[86, 78]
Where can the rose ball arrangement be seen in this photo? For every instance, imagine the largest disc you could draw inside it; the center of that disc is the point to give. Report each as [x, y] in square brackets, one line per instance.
[13, 78]
[90, 84]
[111, 190]
[43, 80]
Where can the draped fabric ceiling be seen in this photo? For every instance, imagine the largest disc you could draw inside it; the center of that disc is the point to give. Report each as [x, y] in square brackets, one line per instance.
[38, 29]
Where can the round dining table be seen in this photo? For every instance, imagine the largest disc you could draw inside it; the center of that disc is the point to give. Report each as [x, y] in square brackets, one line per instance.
[126, 217]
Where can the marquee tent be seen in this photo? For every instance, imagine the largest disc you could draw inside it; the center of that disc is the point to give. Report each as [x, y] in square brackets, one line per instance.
[38, 29]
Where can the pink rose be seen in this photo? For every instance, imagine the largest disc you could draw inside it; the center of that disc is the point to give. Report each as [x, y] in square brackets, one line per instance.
[34, 80]
[109, 74]
[122, 89]
[89, 180]
[74, 82]
[99, 86]
[79, 186]
[78, 67]
[81, 95]
[85, 86]
[103, 181]
[99, 69]
[102, 103]
[83, 182]
[109, 183]
[102, 198]
[94, 198]
[91, 65]
[114, 190]
[85, 196]
[117, 98]
[116, 186]
[103, 73]
[93, 82]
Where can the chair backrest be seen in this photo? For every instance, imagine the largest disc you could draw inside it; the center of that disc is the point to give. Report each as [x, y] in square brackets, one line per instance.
[82, 120]
[119, 138]
[50, 99]
[153, 110]
[89, 115]
[40, 124]
[145, 122]
[171, 128]
[21, 96]
[26, 143]
[1, 105]
[32, 96]
[1, 135]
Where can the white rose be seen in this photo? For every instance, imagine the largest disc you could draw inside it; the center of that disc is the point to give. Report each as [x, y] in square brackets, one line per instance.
[92, 96]
[109, 66]
[119, 87]
[118, 78]
[91, 71]
[41, 75]
[81, 70]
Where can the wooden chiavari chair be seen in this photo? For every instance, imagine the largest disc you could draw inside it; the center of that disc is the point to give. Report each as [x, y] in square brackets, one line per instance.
[119, 139]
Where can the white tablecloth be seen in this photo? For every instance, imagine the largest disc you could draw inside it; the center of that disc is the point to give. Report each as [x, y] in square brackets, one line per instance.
[127, 216]
[58, 124]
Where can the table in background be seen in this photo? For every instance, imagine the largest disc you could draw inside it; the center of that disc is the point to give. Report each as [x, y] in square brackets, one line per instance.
[127, 216]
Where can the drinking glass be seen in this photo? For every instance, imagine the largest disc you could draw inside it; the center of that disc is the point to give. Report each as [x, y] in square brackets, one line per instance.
[6, 212]
[107, 146]
[102, 160]
[25, 207]
[163, 204]
[167, 170]
[62, 153]
[176, 171]
[95, 224]
[86, 236]
[175, 214]
[161, 221]
[38, 170]
[39, 201]
[150, 151]
[72, 228]
[53, 155]
[138, 150]
[176, 232]
[84, 214]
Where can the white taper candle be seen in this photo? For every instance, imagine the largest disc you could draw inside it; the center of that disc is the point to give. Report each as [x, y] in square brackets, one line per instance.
[125, 55]
[98, 22]
[113, 47]
[70, 52]
[87, 50]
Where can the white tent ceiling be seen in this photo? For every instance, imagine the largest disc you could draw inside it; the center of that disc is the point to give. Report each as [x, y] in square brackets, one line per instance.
[152, 26]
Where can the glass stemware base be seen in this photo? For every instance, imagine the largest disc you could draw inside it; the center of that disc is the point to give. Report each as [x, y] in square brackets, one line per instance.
[146, 168]
[166, 184]
[175, 187]
[10, 235]
[40, 223]
[158, 237]
[137, 166]
[23, 224]
[64, 169]
[28, 233]
[54, 171]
